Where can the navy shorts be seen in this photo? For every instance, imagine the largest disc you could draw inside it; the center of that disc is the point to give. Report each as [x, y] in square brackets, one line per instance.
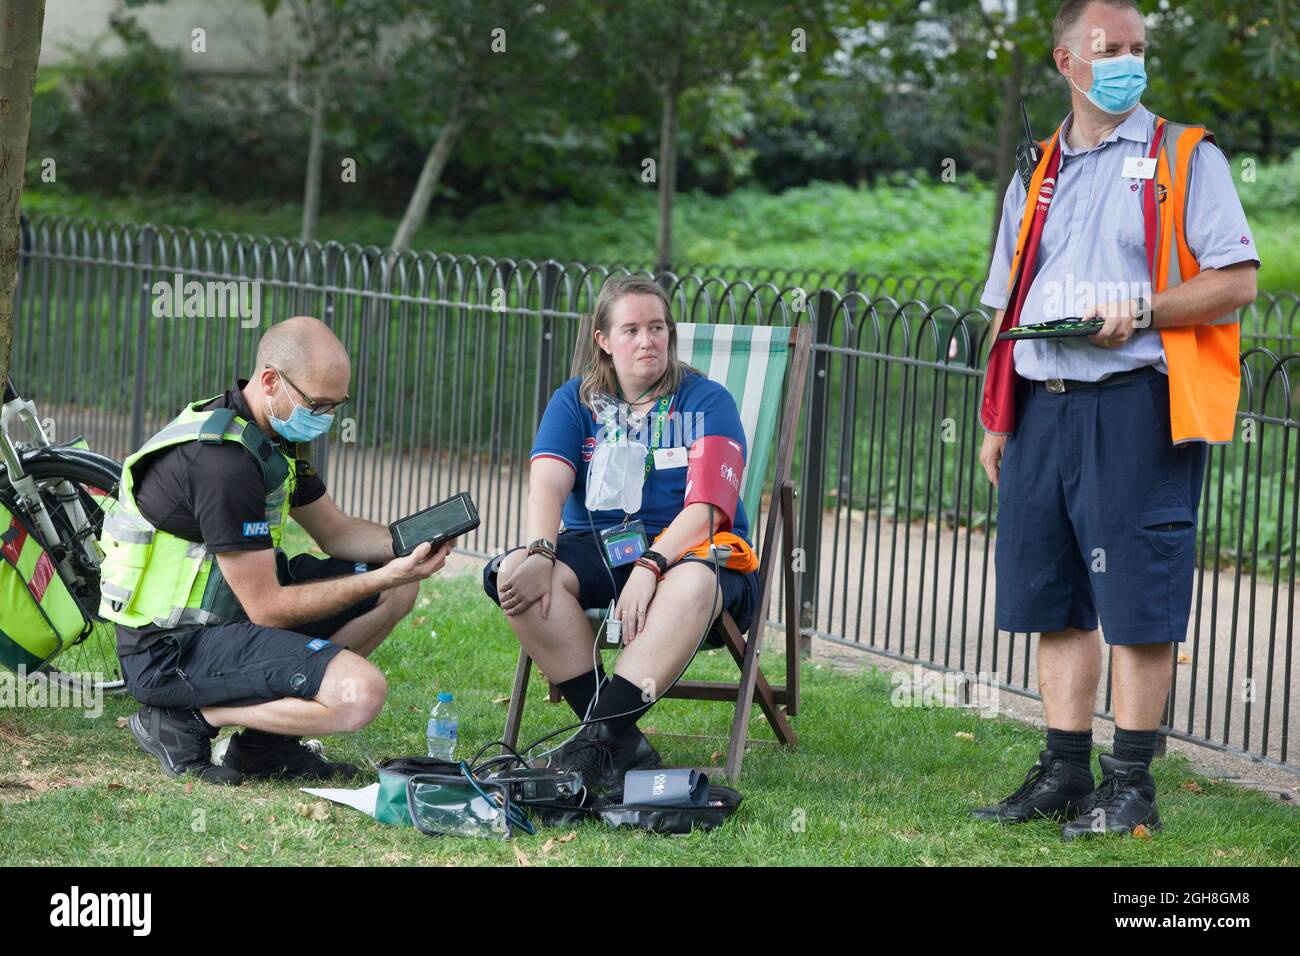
[1097, 513]
[581, 552]
[239, 663]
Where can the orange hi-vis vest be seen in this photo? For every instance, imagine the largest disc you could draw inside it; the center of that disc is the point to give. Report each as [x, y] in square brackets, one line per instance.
[1203, 360]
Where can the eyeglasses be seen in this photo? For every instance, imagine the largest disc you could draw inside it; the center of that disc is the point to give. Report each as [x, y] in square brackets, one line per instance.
[313, 406]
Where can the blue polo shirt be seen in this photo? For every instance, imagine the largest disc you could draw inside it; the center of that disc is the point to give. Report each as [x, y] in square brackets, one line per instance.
[1093, 248]
[569, 432]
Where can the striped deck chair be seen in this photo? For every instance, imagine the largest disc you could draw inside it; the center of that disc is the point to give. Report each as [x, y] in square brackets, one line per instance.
[764, 368]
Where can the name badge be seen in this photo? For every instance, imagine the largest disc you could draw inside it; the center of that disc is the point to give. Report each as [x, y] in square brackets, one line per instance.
[1139, 167]
[670, 458]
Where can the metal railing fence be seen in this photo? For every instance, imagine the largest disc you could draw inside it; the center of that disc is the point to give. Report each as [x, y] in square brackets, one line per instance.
[454, 358]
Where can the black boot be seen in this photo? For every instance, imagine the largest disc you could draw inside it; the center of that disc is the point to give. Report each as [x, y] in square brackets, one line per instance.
[1125, 800]
[635, 752]
[1053, 789]
[256, 753]
[181, 742]
[602, 757]
[593, 752]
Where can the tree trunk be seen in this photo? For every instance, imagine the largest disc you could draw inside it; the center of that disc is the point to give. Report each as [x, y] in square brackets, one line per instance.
[20, 51]
[434, 164]
[311, 189]
[1005, 162]
[667, 175]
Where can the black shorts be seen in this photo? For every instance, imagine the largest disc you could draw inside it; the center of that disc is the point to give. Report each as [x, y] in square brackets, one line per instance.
[240, 663]
[581, 552]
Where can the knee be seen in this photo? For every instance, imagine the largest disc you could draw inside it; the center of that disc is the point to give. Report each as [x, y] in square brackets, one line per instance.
[498, 568]
[693, 581]
[371, 692]
[357, 693]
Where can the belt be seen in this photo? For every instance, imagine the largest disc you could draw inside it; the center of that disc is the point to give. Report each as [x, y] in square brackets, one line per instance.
[1058, 385]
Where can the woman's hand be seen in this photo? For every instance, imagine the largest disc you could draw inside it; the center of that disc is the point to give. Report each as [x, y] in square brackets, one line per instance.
[528, 583]
[634, 602]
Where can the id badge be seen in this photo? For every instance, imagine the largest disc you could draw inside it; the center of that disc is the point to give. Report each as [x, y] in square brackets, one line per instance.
[623, 543]
[1138, 167]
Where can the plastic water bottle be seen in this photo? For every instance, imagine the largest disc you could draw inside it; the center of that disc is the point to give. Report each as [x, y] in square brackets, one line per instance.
[442, 729]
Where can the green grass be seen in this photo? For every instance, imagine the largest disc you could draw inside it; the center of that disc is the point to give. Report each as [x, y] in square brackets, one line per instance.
[870, 783]
[936, 230]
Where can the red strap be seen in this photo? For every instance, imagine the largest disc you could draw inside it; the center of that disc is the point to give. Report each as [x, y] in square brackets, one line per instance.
[1000, 374]
[1150, 213]
[650, 566]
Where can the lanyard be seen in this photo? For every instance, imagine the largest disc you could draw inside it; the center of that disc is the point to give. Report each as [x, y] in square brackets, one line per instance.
[661, 412]
[657, 440]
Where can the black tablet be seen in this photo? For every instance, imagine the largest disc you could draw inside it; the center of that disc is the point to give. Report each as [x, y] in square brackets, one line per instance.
[1054, 329]
[445, 520]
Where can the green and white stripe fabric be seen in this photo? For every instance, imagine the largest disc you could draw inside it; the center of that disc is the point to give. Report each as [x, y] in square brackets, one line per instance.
[750, 361]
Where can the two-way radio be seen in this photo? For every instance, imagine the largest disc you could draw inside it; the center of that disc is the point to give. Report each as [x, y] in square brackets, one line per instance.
[1029, 153]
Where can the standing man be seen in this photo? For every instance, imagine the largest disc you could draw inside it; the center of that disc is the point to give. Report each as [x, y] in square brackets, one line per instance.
[1097, 444]
[215, 626]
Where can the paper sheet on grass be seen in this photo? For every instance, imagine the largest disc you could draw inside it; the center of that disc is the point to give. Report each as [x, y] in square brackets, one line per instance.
[363, 799]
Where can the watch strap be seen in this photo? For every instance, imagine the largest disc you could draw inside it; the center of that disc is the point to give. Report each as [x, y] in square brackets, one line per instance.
[544, 547]
[655, 561]
[1144, 315]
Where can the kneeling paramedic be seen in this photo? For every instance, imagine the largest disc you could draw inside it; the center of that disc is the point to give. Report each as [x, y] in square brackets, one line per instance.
[1098, 443]
[641, 456]
[215, 626]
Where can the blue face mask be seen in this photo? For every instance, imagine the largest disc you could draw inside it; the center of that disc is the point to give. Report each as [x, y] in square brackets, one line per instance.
[1117, 82]
[301, 425]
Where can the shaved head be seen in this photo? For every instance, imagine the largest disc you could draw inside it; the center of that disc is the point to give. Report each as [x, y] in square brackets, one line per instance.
[304, 350]
[302, 347]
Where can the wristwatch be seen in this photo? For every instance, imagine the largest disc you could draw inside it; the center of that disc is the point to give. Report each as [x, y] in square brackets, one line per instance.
[544, 547]
[657, 559]
[1145, 314]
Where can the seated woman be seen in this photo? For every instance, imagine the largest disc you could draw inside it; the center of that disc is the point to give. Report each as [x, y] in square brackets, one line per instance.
[587, 462]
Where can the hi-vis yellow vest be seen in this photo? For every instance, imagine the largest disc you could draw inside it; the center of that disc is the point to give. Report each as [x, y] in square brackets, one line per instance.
[150, 576]
[1203, 360]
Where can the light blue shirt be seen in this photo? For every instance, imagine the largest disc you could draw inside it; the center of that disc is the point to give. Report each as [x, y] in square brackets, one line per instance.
[1093, 248]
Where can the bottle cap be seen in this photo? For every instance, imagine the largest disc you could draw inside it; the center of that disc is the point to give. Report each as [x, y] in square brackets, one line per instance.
[444, 697]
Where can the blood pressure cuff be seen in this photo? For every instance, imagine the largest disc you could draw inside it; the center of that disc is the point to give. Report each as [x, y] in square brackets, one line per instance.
[714, 466]
[668, 787]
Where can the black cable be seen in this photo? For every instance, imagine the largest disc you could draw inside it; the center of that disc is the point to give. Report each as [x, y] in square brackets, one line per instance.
[717, 593]
[510, 754]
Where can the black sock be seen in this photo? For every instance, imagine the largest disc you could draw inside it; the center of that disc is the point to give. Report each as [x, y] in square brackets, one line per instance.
[196, 715]
[579, 690]
[1135, 746]
[1072, 746]
[261, 738]
[621, 696]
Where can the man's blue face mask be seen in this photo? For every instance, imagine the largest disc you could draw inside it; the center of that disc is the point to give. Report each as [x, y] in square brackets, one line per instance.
[1117, 82]
[301, 425]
